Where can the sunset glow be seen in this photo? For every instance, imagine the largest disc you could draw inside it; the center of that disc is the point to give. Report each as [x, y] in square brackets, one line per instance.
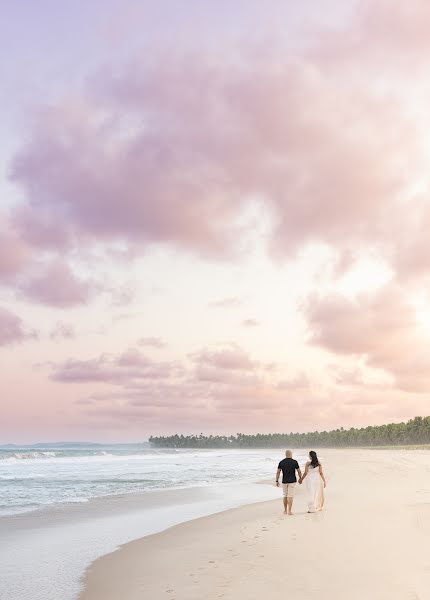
[213, 219]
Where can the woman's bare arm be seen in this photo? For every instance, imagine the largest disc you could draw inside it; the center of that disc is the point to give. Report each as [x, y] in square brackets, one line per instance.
[306, 470]
[322, 475]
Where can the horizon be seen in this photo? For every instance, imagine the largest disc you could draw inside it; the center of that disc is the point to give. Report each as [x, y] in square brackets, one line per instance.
[147, 441]
[213, 217]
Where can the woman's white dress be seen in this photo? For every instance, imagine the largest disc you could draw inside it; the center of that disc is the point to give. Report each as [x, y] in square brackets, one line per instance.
[315, 489]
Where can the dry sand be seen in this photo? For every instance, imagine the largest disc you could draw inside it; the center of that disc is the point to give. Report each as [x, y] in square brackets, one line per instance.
[372, 542]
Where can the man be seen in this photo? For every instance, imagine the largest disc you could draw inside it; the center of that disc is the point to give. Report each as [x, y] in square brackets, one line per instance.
[288, 466]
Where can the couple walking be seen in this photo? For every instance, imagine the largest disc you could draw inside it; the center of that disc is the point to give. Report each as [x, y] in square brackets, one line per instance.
[315, 481]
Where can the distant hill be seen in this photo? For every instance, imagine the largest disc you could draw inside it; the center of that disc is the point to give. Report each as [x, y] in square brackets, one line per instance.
[66, 445]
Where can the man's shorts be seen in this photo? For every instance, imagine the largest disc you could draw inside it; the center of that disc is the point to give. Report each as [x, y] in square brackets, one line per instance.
[288, 489]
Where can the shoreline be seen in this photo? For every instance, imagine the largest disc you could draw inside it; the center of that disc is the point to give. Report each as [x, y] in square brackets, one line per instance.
[253, 551]
[101, 588]
[87, 531]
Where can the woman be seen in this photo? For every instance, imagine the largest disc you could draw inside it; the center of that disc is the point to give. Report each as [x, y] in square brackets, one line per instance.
[315, 483]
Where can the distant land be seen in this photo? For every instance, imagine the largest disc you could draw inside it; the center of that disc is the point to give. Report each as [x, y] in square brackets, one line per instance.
[72, 445]
[413, 432]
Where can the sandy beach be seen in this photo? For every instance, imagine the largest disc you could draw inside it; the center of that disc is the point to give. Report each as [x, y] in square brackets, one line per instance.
[370, 542]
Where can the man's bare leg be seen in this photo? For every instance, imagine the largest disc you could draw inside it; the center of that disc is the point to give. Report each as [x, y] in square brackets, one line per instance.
[285, 505]
[290, 505]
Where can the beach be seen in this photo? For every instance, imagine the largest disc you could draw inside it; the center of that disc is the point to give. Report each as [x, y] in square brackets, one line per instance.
[370, 542]
[62, 508]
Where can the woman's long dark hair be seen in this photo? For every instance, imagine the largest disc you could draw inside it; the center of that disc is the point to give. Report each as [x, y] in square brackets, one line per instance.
[314, 459]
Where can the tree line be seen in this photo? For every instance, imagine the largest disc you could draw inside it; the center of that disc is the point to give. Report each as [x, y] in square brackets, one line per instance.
[414, 431]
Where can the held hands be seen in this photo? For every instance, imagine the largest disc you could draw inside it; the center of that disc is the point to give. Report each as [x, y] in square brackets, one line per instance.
[277, 483]
[300, 481]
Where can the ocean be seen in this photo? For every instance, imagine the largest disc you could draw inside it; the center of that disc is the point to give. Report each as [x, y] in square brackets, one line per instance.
[64, 505]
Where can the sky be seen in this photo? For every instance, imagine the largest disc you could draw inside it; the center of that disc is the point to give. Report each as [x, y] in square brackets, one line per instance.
[214, 217]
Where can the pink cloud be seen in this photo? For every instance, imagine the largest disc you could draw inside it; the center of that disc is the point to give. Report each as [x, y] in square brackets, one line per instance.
[137, 158]
[392, 35]
[216, 380]
[230, 357]
[230, 302]
[123, 369]
[184, 176]
[221, 403]
[329, 135]
[12, 329]
[62, 331]
[225, 376]
[210, 390]
[300, 382]
[133, 358]
[152, 342]
[381, 327]
[250, 323]
[145, 195]
[14, 254]
[56, 284]
[123, 295]
[348, 377]
[40, 230]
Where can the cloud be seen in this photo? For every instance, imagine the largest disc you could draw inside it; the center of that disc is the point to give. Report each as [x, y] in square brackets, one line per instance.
[156, 393]
[226, 367]
[345, 376]
[225, 376]
[392, 35]
[230, 357]
[57, 285]
[179, 168]
[147, 193]
[123, 295]
[230, 302]
[300, 382]
[250, 323]
[12, 329]
[152, 342]
[208, 397]
[14, 253]
[223, 380]
[326, 133]
[381, 327]
[123, 369]
[62, 331]
[136, 158]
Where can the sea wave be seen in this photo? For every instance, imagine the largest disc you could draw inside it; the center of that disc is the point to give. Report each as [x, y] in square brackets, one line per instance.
[119, 452]
[33, 477]
[27, 455]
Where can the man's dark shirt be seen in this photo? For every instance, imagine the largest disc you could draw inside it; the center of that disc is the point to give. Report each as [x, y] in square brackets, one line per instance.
[288, 467]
